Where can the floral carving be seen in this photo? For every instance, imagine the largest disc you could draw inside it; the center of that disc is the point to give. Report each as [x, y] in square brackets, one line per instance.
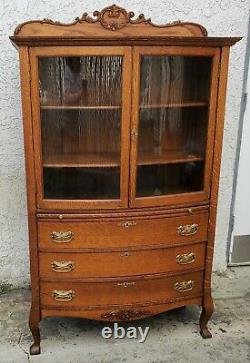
[112, 18]
[125, 314]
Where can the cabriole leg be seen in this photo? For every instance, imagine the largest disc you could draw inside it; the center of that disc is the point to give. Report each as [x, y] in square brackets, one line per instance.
[34, 328]
[206, 313]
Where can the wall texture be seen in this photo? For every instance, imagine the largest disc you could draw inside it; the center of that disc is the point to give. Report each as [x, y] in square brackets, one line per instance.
[220, 17]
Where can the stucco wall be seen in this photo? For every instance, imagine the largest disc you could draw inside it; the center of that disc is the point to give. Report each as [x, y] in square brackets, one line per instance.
[220, 17]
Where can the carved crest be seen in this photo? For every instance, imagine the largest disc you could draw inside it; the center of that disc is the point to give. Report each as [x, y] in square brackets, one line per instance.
[114, 18]
[125, 315]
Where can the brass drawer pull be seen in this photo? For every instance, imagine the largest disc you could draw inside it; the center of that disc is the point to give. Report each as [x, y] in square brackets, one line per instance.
[62, 237]
[128, 224]
[62, 266]
[184, 286]
[185, 258]
[63, 295]
[126, 284]
[188, 229]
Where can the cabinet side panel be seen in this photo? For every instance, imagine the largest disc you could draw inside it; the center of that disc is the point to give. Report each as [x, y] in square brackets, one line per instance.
[30, 178]
[216, 169]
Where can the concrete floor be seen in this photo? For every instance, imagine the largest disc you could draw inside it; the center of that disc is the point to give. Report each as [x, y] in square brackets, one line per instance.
[173, 336]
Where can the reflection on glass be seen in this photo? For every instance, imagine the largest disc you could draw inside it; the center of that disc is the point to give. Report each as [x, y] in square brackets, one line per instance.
[174, 100]
[89, 80]
[80, 101]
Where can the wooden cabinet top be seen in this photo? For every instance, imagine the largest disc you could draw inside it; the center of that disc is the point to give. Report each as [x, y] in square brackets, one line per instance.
[114, 25]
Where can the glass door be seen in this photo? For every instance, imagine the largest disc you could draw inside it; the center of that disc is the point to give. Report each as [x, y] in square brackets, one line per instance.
[81, 110]
[173, 117]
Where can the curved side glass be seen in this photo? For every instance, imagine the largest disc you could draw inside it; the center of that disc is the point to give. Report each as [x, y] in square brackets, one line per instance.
[173, 123]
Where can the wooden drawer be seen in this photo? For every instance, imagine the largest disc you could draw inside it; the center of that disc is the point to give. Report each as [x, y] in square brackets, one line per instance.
[120, 313]
[122, 233]
[121, 291]
[121, 263]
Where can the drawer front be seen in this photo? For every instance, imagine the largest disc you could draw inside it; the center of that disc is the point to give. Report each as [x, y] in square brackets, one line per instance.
[122, 233]
[120, 313]
[121, 291]
[121, 263]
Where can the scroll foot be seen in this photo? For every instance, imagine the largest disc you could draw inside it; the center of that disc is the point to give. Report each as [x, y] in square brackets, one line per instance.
[35, 349]
[34, 328]
[207, 311]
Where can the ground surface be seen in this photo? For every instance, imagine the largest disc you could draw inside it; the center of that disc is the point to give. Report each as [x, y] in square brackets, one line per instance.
[173, 336]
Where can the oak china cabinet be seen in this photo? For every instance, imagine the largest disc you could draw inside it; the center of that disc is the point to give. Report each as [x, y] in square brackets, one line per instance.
[123, 123]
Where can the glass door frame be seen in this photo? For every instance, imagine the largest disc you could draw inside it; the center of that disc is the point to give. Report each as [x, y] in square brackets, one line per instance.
[67, 51]
[181, 198]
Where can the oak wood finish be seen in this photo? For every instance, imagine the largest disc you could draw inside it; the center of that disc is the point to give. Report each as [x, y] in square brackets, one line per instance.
[122, 232]
[164, 200]
[120, 291]
[125, 143]
[110, 159]
[122, 28]
[118, 263]
[78, 160]
[175, 105]
[35, 312]
[124, 312]
[151, 212]
[111, 18]
[129, 258]
[89, 107]
[207, 306]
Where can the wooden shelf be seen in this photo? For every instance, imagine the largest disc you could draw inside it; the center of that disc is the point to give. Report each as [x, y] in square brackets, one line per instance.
[78, 107]
[117, 107]
[87, 160]
[106, 160]
[175, 105]
[157, 192]
[167, 157]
